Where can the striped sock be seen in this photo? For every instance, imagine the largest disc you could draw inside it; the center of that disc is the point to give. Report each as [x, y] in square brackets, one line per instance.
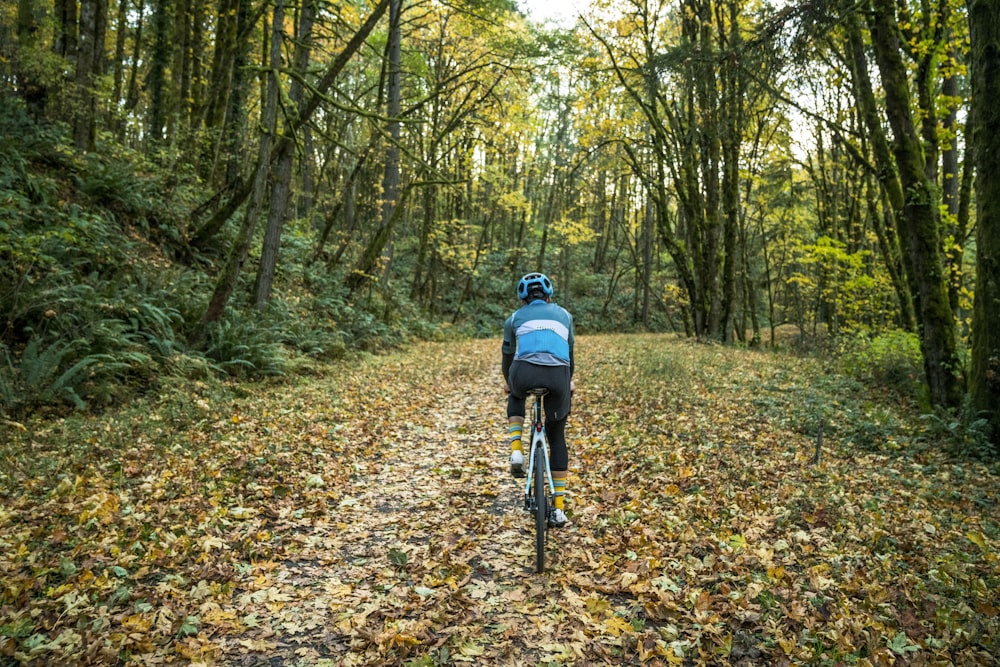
[515, 437]
[559, 491]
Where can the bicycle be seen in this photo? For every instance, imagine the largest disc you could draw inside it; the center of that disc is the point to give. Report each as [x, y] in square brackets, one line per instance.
[536, 500]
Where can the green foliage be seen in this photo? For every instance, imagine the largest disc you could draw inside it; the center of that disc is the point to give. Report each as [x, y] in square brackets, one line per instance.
[312, 340]
[244, 347]
[962, 432]
[112, 185]
[891, 361]
[855, 296]
[59, 372]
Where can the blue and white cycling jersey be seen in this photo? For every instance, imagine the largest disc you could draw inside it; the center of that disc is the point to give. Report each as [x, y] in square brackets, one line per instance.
[540, 333]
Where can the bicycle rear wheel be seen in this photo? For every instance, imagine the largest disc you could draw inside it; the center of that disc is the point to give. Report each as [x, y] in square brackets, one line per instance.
[541, 511]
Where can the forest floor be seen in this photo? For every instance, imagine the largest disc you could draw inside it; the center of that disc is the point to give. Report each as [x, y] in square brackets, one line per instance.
[363, 514]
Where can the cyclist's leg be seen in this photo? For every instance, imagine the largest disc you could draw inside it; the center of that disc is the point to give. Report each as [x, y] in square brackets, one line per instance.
[515, 429]
[558, 458]
[557, 409]
[515, 424]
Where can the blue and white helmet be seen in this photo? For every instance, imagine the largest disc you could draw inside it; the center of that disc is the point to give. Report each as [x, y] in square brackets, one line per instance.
[531, 281]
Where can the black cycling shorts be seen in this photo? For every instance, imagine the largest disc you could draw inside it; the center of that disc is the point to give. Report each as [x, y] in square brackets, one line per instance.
[525, 376]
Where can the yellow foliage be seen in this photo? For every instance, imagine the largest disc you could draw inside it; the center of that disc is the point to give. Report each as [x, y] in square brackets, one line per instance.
[574, 232]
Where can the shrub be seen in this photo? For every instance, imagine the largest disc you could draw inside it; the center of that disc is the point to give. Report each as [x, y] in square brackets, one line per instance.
[237, 345]
[890, 361]
[962, 432]
[57, 372]
[111, 185]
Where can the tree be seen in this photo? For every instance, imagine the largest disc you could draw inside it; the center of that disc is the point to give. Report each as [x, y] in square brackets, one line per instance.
[984, 378]
[919, 218]
[237, 188]
[693, 80]
[391, 179]
[160, 94]
[281, 178]
[89, 65]
[226, 282]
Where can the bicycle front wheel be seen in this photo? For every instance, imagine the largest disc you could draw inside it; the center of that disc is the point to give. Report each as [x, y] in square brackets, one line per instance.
[541, 511]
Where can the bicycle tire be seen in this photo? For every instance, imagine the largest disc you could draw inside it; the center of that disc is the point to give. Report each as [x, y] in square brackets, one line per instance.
[541, 512]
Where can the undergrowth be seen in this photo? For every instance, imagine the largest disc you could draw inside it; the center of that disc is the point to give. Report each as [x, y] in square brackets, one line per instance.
[100, 297]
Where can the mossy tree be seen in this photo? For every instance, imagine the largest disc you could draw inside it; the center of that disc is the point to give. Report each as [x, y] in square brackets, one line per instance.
[984, 380]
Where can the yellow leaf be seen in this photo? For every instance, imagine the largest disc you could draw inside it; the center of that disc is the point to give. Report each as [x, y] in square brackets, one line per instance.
[468, 652]
[137, 623]
[241, 513]
[596, 605]
[616, 625]
[211, 542]
[978, 539]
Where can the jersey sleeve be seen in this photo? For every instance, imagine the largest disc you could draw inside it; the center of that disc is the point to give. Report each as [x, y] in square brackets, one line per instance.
[509, 345]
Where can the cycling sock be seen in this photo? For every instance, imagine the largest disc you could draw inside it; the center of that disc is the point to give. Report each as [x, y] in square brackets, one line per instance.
[558, 491]
[515, 437]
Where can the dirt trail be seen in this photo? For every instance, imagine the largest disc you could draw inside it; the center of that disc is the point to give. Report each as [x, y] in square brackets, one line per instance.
[423, 549]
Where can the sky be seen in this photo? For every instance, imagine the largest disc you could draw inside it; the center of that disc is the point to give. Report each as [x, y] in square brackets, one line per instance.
[560, 11]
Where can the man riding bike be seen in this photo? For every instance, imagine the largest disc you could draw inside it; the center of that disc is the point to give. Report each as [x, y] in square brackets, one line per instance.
[538, 352]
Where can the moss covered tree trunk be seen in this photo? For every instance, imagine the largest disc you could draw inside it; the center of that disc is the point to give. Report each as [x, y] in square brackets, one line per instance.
[984, 380]
[156, 82]
[281, 174]
[89, 66]
[886, 173]
[229, 276]
[919, 218]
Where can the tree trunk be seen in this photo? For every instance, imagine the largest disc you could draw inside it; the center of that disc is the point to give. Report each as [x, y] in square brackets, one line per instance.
[886, 168]
[365, 269]
[417, 288]
[646, 242]
[984, 380]
[230, 273]
[196, 67]
[212, 110]
[118, 75]
[731, 124]
[281, 179]
[67, 30]
[132, 91]
[33, 92]
[159, 96]
[89, 64]
[919, 231]
[179, 65]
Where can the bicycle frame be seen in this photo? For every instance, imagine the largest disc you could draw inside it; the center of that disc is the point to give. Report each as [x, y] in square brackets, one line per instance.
[539, 447]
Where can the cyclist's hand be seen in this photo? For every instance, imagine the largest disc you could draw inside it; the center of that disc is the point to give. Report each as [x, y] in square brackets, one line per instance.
[572, 387]
[506, 387]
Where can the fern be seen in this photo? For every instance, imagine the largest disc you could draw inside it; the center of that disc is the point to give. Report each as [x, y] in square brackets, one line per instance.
[65, 386]
[155, 325]
[112, 184]
[40, 378]
[58, 373]
[239, 347]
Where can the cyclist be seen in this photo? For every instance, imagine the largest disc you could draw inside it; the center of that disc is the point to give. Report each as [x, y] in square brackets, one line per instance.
[538, 352]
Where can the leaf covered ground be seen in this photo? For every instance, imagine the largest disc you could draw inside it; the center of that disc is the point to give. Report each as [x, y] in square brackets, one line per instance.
[362, 515]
